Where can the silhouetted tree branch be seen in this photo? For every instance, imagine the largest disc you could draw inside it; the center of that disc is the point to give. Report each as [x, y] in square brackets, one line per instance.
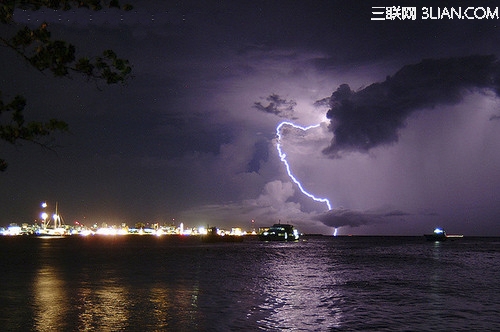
[45, 54]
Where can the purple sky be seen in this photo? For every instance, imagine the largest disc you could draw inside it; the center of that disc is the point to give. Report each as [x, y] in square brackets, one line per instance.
[405, 144]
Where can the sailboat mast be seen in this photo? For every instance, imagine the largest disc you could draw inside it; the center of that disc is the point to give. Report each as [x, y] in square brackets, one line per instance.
[56, 218]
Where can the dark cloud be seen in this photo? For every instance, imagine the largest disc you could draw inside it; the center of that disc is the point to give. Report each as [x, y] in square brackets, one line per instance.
[344, 217]
[373, 116]
[278, 106]
[260, 155]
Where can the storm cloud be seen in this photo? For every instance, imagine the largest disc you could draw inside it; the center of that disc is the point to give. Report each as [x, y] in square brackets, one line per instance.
[364, 119]
[345, 217]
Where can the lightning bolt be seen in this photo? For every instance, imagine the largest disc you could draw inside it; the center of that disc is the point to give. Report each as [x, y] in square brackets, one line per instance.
[285, 162]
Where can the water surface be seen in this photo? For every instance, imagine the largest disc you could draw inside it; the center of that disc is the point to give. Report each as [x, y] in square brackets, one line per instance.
[148, 283]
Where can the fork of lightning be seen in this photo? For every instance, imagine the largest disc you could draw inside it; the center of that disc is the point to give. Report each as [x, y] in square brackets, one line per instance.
[282, 156]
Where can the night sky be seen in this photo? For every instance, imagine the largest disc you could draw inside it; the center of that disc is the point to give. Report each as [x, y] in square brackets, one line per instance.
[409, 115]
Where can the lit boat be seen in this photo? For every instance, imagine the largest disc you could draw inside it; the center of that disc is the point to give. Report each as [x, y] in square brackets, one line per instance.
[52, 226]
[440, 235]
[279, 232]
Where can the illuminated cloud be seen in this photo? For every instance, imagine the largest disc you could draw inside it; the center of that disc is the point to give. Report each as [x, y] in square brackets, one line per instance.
[273, 204]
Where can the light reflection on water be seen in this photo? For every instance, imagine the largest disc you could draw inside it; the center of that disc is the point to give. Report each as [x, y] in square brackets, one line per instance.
[49, 299]
[94, 292]
[161, 306]
[150, 284]
[298, 282]
[104, 308]
[61, 303]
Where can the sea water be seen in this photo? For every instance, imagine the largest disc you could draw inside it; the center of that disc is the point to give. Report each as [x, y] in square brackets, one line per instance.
[149, 283]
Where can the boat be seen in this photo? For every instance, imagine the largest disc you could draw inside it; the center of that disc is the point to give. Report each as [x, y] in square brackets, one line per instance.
[279, 232]
[440, 235]
[213, 236]
[53, 226]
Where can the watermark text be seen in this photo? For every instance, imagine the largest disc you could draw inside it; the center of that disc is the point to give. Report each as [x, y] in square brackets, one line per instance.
[401, 13]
